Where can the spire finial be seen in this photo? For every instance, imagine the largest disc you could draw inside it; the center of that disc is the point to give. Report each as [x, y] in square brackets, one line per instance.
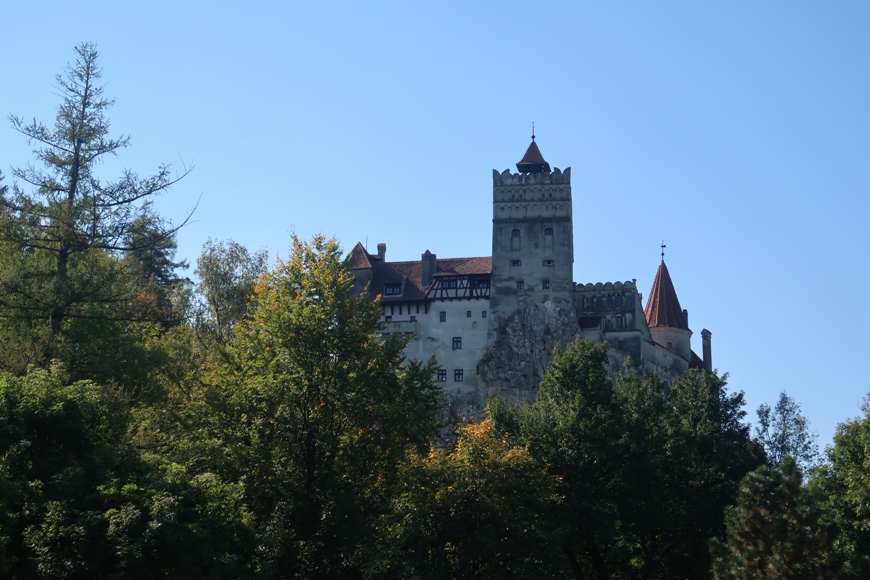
[533, 130]
[663, 250]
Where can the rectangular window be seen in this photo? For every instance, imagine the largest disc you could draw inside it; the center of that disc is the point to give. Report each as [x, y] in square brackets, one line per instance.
[392, 289]
[545, 285]
[468, 314]
[442, 317]
[449, 284]
[442, 376]
[388, 318]
[620, 345]
[457, 376]
[619, 322]
[413, 319]
[521, 285]
[483, 314]
[457, 342]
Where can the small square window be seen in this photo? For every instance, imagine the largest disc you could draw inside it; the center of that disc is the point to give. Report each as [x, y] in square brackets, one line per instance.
[442, 375]
[457, 376]
[545, 284]
[413, 319]
[515, 262]
[521, 285]
[483, 314]
[468, 314]
[442, 317]
[549, 262]
[457, 342]
[388, 318]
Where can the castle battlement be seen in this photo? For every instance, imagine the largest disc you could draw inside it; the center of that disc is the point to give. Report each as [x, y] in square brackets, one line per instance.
[555, 177]
[605, 286]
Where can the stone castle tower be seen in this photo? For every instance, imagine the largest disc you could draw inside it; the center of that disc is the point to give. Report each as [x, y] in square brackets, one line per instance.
[532, 234]
[492, 321]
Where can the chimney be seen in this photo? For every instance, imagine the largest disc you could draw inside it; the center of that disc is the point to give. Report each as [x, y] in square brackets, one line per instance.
[708, 351]
[686, 317]
[382, 252]
[428, 263]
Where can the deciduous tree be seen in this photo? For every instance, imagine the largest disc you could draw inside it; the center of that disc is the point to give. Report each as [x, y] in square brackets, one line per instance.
[784, 432]
[311, 411]
[227, 274]
[481, 509]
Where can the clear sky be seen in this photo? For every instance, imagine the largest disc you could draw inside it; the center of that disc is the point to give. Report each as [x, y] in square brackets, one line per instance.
[737, 132]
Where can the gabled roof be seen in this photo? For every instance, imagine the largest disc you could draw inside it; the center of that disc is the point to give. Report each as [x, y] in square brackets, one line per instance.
[533, 161]
[663, 306]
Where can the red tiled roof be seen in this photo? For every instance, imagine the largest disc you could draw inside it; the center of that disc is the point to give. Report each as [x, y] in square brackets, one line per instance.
[533, 161]
[358, 258]
[410, 274]
[663, 306]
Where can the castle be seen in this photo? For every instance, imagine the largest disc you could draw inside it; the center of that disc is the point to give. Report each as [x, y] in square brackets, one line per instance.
[492, 322]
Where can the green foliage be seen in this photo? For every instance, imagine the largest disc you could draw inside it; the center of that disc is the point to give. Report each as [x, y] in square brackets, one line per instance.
[483, 509]
[80, 502]
[709, 451]
[775, 529]
[227, 274]
[311, 412]
[574, 428]
[784, 432]
[844, 482]
[646, 471]
[63, 232]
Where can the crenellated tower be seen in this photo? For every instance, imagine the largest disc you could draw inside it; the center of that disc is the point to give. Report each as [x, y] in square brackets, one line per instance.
[532, 235]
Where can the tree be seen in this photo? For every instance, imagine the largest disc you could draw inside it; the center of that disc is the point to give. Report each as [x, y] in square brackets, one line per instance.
[311, 411]
[844, 482]
[784, 432]
[79, 501]
[775, 529]
[482, 508]
[227, 274]
[63, 236]
[708, 452]
[574, 428]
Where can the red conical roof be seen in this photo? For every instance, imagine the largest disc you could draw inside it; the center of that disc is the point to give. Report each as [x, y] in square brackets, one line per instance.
[533, 161]
[663, 306]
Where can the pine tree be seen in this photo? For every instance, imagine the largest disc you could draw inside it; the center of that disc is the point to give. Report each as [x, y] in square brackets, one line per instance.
[774, 530]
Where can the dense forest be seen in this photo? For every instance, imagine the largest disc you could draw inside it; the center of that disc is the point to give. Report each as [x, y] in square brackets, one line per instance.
[255, 423]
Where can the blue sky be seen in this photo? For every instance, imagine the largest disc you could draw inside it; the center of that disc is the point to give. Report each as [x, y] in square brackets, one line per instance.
[737, 132]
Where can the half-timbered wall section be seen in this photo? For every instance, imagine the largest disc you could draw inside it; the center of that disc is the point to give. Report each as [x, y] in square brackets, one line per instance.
[439, 305]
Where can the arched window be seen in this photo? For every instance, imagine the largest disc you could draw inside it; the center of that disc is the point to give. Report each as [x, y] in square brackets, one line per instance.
[515, 233]
[548, 231]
